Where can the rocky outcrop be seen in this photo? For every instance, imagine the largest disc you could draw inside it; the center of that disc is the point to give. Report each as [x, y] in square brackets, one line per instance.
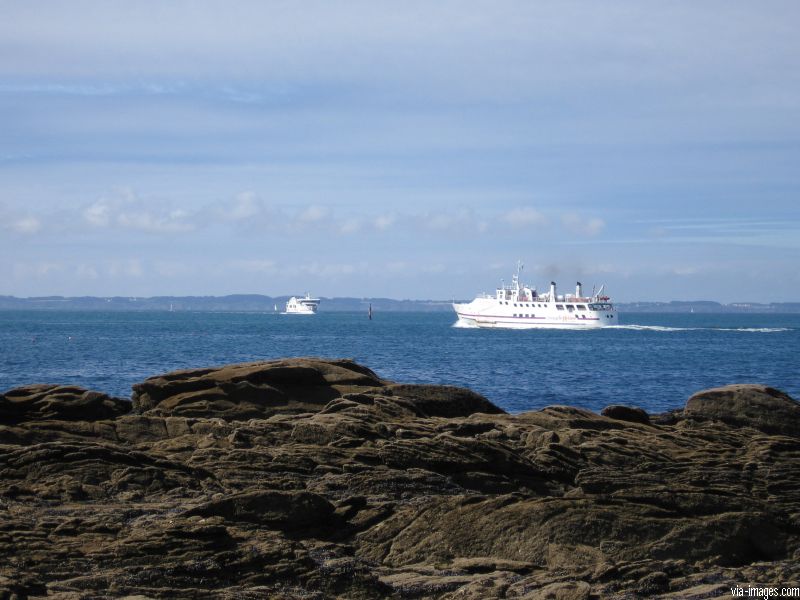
[58, 403]
[626, 413]
[747, 405]
[306, 478]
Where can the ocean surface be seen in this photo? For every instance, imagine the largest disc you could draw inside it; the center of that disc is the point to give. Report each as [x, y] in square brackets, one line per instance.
[654, 361]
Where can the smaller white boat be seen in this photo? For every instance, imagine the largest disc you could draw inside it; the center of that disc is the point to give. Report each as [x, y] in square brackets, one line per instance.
[301, 305]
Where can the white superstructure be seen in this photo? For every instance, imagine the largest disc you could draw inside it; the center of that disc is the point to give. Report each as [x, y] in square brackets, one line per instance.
[302, 306]
[518, 306]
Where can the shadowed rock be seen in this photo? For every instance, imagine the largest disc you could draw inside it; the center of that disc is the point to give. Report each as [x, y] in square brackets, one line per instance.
[443, 400]
[58, 402]
[273, 509]
[631, 414]
[314, 479]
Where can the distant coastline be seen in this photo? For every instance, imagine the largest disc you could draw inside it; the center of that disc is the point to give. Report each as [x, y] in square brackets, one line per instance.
[259, 303]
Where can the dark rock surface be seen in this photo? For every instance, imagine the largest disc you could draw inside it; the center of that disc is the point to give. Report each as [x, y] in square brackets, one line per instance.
[314, 479]
[626, 413]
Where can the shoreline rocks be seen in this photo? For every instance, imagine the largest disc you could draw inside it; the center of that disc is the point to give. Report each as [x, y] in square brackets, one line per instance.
[312, 478]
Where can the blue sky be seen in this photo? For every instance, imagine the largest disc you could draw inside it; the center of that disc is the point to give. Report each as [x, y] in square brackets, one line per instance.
[406, 150]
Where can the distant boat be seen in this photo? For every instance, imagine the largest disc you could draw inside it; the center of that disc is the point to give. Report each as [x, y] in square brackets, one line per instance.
[369, 312]
[301, 305]
[520, 307]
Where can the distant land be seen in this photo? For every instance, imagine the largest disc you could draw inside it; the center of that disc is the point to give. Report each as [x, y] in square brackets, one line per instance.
[259, 303]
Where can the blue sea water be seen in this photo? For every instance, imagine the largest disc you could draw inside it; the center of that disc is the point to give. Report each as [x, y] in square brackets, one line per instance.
[654, 361]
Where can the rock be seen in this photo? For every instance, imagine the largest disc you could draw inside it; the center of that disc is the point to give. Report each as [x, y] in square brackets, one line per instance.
[252, 390]
[273, 509]
[443, 400]
[58, 402]
[746, 405]
[631, 414]
[653, 583]
[291, 386]
[314, 479]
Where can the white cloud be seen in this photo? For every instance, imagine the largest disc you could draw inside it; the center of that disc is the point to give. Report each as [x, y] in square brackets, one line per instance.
[172, 222]
[524, 217]
[85, 271]
[462, 221]
[26, 225]
[582, 225]
[313, 214]
[41, 269]
[131, 267]
[350, 226]
[383, 222]
[98, 214]
[126, 210]
[511, 49]
[397, 266]
[246, 205]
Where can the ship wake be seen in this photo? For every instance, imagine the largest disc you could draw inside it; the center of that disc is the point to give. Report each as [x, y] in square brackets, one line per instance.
[663, 328]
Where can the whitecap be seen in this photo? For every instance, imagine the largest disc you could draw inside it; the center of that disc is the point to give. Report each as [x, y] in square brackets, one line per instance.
[461, 324]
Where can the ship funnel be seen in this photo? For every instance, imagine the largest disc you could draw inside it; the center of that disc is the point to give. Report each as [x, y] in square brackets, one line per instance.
[578, 290]
[552, 291]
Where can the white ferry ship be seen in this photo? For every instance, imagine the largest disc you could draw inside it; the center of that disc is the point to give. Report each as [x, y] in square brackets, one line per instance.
[518, 306]
[301, 306]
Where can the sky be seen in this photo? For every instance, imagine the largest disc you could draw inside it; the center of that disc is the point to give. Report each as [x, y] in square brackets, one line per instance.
[400, 149]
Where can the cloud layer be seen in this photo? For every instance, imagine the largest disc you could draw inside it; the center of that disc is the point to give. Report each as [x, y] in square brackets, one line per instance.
[415, 149]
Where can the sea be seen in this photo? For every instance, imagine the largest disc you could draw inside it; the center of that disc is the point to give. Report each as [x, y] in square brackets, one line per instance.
[654, 361]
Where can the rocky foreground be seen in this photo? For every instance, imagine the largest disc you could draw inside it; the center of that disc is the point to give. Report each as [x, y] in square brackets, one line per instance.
[317, 479]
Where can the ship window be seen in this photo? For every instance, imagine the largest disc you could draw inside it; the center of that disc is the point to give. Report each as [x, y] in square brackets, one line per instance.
[581, 307]
[570, 307]
[560, 306]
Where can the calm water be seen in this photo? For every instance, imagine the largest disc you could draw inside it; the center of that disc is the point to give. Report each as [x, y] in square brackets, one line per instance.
[653, 360]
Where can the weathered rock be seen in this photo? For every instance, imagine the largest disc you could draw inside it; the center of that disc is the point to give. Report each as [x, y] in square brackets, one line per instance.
[287, 511]
[746, 405]
[252, 390]
[58, 402]
[314, 479]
